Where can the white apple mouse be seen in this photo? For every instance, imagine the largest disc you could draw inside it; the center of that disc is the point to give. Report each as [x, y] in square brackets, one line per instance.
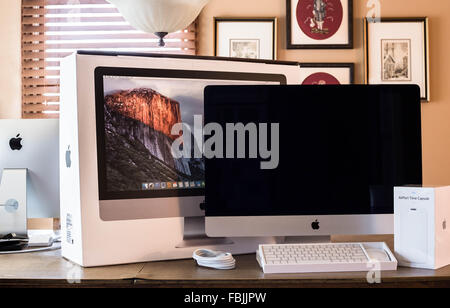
[378, 255]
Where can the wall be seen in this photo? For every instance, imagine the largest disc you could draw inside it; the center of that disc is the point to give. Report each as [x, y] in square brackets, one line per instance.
[436, 114]
[10, 59]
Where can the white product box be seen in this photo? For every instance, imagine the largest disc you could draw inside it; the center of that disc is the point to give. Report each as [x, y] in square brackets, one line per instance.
[422, 237]
[87, 239]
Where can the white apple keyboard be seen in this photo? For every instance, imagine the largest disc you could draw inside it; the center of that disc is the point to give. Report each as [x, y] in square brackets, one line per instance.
[328, 257]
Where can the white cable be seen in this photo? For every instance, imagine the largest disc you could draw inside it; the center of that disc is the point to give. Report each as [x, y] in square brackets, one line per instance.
[214, 259]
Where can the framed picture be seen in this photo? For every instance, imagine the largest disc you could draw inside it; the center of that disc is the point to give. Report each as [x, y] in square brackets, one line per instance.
[397, 52]
[249, 38]
[319, 24]
[327, 73]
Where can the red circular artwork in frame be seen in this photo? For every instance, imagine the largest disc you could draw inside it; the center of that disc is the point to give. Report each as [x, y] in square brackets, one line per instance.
[319, 19]
[321, 79]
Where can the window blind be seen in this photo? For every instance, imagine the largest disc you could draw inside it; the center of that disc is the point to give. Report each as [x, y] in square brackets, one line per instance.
[53, 29]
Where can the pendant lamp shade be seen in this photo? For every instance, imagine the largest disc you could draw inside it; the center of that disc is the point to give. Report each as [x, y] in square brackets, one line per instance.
[160, 17]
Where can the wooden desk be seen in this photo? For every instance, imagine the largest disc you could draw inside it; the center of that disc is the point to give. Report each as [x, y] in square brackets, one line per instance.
[48, 269]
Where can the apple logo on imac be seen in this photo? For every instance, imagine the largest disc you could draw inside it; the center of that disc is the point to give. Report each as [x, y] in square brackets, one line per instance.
[315, 225]
[68, 159]
[16, 143]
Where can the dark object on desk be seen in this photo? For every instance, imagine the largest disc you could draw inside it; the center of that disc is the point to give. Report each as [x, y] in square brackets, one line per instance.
[12, 244]
[12, 236]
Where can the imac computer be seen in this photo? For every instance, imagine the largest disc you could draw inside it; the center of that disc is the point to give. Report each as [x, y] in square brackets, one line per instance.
[336, 154]
[138, 175]
[31, 145]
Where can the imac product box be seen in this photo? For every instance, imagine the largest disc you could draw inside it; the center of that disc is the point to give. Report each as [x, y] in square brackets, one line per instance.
[124, 196]
[422, 236]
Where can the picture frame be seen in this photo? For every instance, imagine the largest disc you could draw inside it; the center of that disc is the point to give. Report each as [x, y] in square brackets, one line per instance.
[333, 29]
[397, 52]
[327, 73]
[247, 38]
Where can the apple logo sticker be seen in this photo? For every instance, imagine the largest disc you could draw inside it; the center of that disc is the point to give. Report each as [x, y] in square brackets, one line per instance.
[68, 159]
[16, 143]
[315, 225]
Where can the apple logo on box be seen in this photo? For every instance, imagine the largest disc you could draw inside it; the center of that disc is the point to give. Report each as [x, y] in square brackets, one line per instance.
[16, 143]
[68, 159]
[315, 225]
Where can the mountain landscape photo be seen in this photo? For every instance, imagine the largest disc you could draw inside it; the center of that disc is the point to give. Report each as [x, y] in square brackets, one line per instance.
[138, 139]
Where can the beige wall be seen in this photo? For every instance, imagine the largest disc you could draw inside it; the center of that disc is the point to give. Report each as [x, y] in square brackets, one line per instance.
[436, 114]
[10, 59]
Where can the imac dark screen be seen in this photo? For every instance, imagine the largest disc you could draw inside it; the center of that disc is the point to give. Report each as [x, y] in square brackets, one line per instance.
[341, 149]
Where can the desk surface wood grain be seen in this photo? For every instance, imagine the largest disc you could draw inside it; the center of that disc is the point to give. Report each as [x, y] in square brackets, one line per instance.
[49, 269]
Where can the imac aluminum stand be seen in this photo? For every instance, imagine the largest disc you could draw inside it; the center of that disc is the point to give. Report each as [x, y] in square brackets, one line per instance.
[195, 235]
[13, 202]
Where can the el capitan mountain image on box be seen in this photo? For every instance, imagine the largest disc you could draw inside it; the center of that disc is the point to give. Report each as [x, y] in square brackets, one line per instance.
[138, 124]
